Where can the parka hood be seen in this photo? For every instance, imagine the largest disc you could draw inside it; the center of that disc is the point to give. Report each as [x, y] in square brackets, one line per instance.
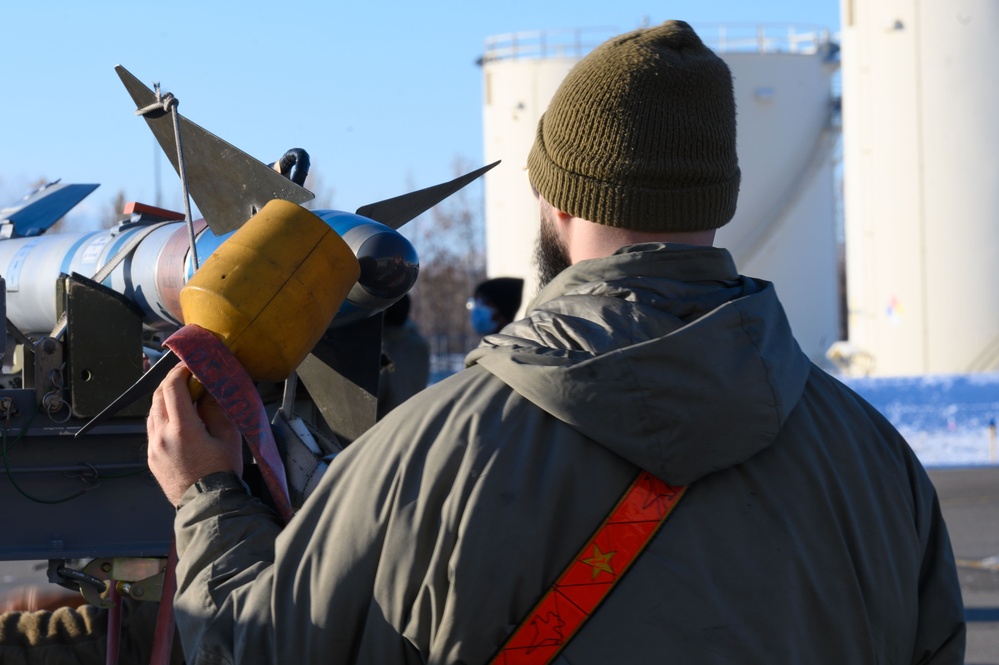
[662, 353]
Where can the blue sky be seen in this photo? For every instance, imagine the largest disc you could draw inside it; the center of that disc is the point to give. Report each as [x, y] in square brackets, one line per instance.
[384, 96]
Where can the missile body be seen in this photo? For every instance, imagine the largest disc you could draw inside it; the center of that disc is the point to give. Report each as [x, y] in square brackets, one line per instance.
[153, 273]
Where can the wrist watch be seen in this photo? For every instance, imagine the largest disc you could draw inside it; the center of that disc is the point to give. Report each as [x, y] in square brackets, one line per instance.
[222, 480]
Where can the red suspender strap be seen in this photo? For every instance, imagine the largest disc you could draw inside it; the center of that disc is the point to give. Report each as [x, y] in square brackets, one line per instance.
[592, 574]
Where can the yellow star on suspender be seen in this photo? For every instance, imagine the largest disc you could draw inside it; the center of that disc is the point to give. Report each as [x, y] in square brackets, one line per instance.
[600, 561]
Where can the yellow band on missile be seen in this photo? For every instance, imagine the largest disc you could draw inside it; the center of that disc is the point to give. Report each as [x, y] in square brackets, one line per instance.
[270, 291]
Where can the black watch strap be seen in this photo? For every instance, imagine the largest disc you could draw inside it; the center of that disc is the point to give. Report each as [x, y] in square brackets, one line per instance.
[223, 480]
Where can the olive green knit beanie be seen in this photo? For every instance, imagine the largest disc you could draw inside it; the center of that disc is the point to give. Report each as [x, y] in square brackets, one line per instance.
[641, 135]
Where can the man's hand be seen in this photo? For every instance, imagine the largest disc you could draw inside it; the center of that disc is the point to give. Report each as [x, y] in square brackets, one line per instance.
[186, 441]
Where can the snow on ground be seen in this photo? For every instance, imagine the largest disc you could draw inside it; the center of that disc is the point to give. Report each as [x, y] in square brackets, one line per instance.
[949, 420]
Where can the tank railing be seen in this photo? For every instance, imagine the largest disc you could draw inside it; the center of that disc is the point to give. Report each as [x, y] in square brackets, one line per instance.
[537, 44]
[764, 38]
[722, 37]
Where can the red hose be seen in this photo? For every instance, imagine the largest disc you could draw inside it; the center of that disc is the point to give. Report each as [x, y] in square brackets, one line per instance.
[114, 623]
[163, 639]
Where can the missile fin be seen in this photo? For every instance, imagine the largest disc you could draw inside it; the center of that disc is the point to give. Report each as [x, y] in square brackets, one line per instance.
[398, 210]
[215, 169]
[344, 386]
[145, 385]
[43, 207]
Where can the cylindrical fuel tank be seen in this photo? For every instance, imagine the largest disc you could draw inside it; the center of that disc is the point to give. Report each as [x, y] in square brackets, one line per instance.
[921, 167]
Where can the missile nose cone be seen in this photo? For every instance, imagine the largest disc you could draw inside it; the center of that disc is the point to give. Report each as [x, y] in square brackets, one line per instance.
[389, 265]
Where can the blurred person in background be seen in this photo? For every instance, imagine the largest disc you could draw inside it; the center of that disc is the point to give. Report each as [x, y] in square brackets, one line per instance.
[495, 303]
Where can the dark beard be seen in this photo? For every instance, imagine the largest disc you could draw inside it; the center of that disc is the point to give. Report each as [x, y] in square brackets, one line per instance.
[551, 256]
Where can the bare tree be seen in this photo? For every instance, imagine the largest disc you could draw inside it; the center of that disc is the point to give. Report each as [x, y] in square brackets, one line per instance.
[450, 240]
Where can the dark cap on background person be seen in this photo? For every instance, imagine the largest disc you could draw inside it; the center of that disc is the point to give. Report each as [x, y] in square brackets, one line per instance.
[503, 293]
[641, 135]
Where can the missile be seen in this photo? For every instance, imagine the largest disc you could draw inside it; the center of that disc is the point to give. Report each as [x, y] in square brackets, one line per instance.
[160, 262]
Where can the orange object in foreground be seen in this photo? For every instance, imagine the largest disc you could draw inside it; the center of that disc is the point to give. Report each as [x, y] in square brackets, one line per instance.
[270, 291]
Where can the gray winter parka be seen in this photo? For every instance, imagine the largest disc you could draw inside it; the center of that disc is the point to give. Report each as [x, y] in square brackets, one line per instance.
[810, 532]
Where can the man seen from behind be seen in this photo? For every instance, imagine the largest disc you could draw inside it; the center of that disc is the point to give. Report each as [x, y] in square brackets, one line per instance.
[808, 533]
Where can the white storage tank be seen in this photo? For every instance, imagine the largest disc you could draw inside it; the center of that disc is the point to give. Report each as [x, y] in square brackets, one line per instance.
[785, 225]
[921, 184]
[521, 72]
